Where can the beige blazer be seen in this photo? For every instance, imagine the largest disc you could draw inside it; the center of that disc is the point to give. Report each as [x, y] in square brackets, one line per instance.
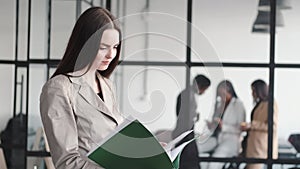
[257, 143]
[75, 119]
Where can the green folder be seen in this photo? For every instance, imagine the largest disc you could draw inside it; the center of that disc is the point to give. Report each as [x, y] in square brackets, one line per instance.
[133, 146]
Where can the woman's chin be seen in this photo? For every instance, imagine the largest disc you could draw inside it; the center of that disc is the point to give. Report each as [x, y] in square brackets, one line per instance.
[102, 68]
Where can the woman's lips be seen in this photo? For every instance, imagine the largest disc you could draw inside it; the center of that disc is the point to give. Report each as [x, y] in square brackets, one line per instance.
[105, 62]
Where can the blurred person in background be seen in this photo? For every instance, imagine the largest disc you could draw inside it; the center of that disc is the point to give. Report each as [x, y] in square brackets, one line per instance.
[186, 117]
[256, 141]
[229, 112]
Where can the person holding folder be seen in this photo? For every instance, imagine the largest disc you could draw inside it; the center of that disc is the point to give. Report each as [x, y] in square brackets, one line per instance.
[78, 104]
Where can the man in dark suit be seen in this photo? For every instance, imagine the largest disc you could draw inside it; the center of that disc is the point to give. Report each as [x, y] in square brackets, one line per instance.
[186, 111]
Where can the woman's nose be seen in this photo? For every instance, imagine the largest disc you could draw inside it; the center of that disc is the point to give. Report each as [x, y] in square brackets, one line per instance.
[109, 54]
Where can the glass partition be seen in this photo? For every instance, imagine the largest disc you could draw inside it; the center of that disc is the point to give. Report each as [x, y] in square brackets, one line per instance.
[7, 90]
[286, 84]
[7, 32]
[39, 163]
[241, 80]
[149, 93]
[288, 36]
[21, 90]
[23, 30]
[285, 166]
[62, 21]
[220, 35]
[155, 31]
[152, 32]
[37, 79]
[39, 29]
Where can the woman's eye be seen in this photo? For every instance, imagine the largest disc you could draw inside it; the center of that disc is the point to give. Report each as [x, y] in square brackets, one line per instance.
[102, 48]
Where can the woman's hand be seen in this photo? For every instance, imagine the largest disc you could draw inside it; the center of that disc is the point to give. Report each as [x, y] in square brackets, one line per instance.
[213, 124]
[217, 120]
[244, 126]
[163, 144]
[209, 124]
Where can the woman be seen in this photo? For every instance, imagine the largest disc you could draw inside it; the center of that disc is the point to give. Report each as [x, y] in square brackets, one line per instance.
[257, 139]
[229, 113]
[77, 105]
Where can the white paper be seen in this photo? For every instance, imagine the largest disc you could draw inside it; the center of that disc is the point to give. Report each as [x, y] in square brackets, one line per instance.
[173, 152]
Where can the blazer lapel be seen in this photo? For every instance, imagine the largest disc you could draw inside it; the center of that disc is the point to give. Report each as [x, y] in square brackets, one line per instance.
[107, 94]
[87, 93]
[109, 98]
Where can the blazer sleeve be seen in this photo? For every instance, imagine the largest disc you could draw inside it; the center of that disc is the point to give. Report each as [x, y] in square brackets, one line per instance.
[60, 128]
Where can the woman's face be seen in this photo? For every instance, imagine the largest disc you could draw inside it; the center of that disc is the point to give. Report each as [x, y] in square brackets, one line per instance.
[107, 49]
[254, 95]
[222, 92]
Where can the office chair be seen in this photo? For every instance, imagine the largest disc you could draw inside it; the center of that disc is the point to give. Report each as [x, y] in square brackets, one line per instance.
[294, 139]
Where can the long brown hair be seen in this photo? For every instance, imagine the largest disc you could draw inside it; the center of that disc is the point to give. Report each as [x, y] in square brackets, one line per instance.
[85, 39]
[261, 89]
